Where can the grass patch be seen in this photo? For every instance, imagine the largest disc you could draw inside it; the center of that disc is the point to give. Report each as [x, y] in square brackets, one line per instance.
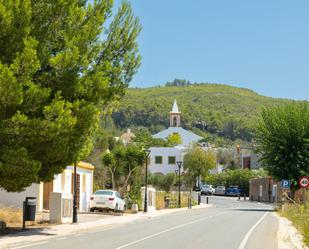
[11, 215]
[299, 215]
[160, 204]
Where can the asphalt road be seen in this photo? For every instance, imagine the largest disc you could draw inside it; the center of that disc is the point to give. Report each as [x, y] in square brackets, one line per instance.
[229, 224]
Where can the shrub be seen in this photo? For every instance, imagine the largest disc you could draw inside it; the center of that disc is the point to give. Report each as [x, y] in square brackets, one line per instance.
[162, 182]
[10, 215]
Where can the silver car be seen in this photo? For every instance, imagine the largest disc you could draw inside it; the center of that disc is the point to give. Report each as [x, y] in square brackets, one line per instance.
[220, 190]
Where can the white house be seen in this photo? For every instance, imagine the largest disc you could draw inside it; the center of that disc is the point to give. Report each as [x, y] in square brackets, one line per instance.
[62, 183]
[164, 159]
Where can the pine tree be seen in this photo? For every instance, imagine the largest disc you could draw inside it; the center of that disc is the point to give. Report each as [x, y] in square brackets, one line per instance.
[60, 67]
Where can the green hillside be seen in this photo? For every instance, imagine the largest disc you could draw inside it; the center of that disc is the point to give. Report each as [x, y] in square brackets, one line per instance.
[212, 110]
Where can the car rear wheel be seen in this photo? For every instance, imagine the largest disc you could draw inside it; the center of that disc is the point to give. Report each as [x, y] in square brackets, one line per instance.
[92, 210]
[116, 208]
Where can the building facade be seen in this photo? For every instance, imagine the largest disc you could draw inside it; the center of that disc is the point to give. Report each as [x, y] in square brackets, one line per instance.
[62, 183]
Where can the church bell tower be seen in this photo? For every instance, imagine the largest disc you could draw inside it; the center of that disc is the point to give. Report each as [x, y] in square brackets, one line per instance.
[175, 116]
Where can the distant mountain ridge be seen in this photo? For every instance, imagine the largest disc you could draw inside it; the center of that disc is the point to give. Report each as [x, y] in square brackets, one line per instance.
[208, 109]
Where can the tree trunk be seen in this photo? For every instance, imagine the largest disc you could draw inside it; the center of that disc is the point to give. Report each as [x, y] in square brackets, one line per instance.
[113, 178]
[125, 185]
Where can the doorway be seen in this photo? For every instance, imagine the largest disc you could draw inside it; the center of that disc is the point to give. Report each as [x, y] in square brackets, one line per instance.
[47, 188]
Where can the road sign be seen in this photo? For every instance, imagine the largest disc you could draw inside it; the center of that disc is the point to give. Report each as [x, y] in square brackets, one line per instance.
[303, 182]
[285, 184]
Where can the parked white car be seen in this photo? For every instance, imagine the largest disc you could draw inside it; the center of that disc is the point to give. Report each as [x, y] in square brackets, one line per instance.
[107, 199]
[220, 190]
[207, 190]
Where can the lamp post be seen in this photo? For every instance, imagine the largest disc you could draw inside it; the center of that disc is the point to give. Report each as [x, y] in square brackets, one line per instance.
[179, 163]
[74, 195]
[147, 153]
[199, 189]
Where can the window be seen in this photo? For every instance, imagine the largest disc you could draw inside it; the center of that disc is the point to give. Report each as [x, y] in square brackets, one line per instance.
[104, 192]
[158, 159]
[171, 160]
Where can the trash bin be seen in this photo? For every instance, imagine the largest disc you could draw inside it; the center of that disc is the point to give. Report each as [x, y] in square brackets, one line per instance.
[30, 211]
[166, 201]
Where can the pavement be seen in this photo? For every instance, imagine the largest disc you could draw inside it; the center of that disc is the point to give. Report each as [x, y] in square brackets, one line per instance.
[225, 224]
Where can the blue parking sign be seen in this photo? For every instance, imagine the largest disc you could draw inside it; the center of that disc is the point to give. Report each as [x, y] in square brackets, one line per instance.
[286, 184]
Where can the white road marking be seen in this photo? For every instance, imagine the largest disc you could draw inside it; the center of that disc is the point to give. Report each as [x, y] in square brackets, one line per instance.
[62, 238]
[168, 230]
[33, 244]
[245, 240]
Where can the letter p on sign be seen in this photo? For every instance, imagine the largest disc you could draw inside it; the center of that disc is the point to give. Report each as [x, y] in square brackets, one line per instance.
[285, 184]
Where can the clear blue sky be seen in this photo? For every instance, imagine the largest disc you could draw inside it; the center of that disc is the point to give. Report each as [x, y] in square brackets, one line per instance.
[261, 45]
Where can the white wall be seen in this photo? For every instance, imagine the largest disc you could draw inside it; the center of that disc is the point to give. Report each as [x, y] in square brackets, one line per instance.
[61, 184]
[165, 167]
[16, 199]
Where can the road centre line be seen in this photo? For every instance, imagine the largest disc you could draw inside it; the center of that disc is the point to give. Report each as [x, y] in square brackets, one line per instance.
[33, 244]
[168, 230]
[245, 239]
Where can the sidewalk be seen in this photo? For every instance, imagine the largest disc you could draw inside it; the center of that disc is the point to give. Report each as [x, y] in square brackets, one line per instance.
[288, 236]
[41, 233]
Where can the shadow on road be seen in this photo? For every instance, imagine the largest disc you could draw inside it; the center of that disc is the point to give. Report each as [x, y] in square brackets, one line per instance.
[17, 231]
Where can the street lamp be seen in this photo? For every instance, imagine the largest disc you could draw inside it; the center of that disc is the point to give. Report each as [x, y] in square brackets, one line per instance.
[147, 153]
[199, 188]
[179, 163]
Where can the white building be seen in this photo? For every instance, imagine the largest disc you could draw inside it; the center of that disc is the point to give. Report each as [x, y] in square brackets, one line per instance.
[164, 159]
[62, 183]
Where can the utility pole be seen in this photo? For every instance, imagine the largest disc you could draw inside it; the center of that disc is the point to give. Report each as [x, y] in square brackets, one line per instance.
[179, 163]
[75, 195]
[147, 153]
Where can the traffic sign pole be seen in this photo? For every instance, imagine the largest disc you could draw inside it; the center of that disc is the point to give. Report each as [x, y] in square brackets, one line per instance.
[304, 184]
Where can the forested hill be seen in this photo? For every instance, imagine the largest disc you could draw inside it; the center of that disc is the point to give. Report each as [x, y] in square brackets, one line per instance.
[212, 110]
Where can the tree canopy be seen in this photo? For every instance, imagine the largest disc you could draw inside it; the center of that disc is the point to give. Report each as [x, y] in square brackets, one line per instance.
[60, 67]
[282, 139]
[198, 162]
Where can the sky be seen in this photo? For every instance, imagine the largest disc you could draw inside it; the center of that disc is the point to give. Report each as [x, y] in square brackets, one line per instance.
[261, 45]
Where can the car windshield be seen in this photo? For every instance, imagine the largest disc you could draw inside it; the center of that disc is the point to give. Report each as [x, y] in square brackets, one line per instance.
[103, 192]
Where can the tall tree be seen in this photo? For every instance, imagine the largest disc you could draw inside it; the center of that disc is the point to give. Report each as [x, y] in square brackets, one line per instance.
[283, 140]
[109, 161]
[198, 162]
[133, 159]
[59, 68]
